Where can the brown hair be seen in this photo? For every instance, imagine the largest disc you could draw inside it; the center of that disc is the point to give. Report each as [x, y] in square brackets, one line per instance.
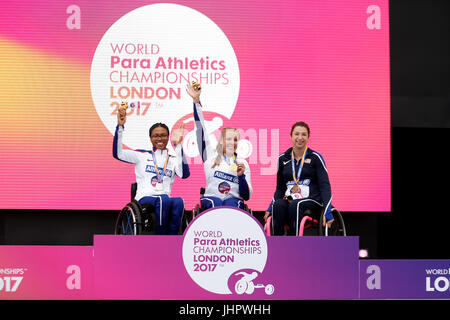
[300, 124]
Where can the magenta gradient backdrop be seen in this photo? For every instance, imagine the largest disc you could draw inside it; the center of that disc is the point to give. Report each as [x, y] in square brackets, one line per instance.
[313, 61]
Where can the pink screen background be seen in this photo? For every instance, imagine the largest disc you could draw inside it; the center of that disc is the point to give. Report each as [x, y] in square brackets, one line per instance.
[309, 61]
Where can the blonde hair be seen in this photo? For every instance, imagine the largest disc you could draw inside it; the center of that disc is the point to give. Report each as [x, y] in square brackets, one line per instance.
[219, 148]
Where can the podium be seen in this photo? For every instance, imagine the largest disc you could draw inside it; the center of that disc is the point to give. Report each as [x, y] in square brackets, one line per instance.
[223, 255]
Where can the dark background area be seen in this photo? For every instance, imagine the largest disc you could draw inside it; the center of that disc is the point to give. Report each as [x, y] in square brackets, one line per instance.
[417, 227]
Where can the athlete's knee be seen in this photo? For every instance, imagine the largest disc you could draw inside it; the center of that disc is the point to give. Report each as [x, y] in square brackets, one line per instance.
[231, 202]
[164, 197]
[210, 202]
[279, 206]
[177, 202]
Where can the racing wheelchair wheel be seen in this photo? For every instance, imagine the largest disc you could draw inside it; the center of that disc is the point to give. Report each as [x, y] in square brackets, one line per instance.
[187, 219]
[129, 220]
[135, 219]
[246, 208]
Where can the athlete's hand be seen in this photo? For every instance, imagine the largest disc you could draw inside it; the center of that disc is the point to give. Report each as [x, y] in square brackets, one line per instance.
[121, 116]
[329, 223]
[178, 135]
[193, 92]
[266, 215]
[240, 169]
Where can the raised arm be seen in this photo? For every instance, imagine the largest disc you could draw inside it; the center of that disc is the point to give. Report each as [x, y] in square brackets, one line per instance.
[118, 152]
[182, 167]
[203, 143]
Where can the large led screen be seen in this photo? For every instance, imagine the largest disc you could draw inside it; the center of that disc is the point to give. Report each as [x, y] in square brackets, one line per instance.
[65, 67]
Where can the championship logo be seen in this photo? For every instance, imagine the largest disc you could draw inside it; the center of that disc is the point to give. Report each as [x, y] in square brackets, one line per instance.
[224, 252]
[147, 57]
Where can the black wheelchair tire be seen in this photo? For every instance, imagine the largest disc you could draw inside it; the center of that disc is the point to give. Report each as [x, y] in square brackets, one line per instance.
[341, 231]
[186, 220]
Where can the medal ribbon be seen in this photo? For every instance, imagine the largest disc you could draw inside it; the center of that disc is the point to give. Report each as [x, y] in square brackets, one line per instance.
[226, 159]
[156, 166]
[297, 179]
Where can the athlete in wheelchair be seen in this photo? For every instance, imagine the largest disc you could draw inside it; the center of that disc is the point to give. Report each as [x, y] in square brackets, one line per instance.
[151, 209]
[227, 175]
[303, 193]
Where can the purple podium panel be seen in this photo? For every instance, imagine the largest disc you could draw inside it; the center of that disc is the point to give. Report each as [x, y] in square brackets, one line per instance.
[405, 279]
[225, 254]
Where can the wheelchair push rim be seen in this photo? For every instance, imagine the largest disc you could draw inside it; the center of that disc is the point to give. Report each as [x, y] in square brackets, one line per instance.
[337, 227]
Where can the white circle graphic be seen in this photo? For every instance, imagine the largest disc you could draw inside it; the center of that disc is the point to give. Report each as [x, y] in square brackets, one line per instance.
[146, 59]
[220, 242]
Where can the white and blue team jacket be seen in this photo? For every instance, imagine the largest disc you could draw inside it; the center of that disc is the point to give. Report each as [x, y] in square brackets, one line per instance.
[221, 182]
[145, 167]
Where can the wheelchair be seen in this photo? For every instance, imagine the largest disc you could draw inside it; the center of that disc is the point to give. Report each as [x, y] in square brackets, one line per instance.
[187, 218]
[314, 227]
[136, 219]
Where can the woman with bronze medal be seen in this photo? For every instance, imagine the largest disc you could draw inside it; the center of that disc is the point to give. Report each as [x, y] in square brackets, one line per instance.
[227, 175]
[155, 172]
[302, 183]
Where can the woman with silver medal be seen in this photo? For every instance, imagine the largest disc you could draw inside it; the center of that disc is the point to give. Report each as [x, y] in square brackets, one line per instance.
[227, 175]
[302, 184]
[155, 172]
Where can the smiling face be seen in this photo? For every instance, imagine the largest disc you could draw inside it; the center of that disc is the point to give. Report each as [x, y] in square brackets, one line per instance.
[299, 137]
[159, 138]
[230, 139]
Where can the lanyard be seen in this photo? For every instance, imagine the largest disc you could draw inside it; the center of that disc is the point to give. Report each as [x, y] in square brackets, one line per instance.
[156, 167]
[296, 179]
[226, 159]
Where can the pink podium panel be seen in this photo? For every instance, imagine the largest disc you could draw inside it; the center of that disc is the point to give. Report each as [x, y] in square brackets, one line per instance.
[46, 272]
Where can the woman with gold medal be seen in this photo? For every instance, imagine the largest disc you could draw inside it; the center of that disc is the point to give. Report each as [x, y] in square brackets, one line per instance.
[155, 172]
[227, 175]
[302, 183]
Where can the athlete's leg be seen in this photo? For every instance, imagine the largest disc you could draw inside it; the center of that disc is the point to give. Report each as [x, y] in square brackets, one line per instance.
[233, 202]
[176, 212]
[297, 208]
[280, 216]
[162, 204]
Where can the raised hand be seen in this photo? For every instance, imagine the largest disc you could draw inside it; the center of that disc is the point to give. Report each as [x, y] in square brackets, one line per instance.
[194, 90]
[178, 135]
[122, 115]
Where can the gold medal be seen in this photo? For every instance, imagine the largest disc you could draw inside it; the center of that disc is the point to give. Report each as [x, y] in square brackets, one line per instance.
[123, 106]
[196, 85]
[233, 167]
